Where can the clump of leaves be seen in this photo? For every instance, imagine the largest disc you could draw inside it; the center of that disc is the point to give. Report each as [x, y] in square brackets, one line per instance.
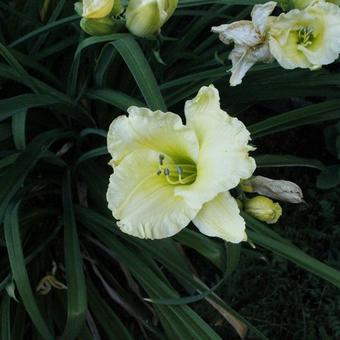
[61, 89]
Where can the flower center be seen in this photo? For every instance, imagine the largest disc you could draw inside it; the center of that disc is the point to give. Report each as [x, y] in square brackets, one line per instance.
[305, 35]
[177, 173]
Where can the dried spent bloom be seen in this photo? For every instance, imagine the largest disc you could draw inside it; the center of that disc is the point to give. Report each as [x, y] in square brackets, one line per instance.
[250, 39]
[263, 209]
[167, 174]
[46, 283]
[144, 18]
[277, 189]
[306, 38]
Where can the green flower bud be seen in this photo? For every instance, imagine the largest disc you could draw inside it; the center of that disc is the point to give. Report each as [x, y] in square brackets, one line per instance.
[101, 26]
[144, 18]
[263, 209]
[96, 9]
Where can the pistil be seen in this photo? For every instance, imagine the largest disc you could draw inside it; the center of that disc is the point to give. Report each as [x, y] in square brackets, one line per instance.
[177, 173]
[305, 34]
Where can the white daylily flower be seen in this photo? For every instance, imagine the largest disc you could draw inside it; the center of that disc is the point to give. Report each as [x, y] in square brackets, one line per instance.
[308, 38]
[250, 39]
[167, 174]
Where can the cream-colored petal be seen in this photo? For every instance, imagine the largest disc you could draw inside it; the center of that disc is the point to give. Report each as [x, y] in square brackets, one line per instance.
[95, 9]
[154, 130]
[260, 14]
[241, 64]
[240, 32]
[284, 48]
[143, 202]
[243, 58]
[223, 157]
[221, 218]
[326, 47]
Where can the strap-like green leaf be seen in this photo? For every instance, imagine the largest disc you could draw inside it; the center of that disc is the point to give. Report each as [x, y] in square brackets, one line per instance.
[19, 129]
[268, 161]
[5, 313]
[141, 71]
[294, 254]
[76, 292]
[13, 179]
[115, 98]
[307, 115]
[17, 262]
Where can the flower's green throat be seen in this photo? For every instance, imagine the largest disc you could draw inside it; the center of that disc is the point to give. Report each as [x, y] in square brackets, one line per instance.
[177, 173]
[305, 36]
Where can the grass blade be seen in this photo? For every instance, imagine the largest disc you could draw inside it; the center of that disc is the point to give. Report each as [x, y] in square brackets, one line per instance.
[19, 129]
[268, 161]
[293, 254]
[20, 275]
[307, 115]
[13, 179]
[115, 98]
[76, 292]
[5, 318]
[141, 71]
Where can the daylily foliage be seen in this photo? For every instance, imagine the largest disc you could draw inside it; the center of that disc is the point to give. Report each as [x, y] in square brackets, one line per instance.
[167, 174]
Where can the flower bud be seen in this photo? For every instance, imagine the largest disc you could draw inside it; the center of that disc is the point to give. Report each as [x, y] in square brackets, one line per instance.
[263, 209]
[101, 26]
[277, 189]
[96, 9]
[144, 18]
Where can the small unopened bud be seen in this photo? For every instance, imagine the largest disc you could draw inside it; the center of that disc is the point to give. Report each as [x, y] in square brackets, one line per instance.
[277, 189]
[263, 209]
[144, 18]
[101, 26]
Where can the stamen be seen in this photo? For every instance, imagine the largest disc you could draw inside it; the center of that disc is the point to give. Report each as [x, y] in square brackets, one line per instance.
[167, 176]
[305, 35]
[161, 159]
[188, 179]
[185, 173]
